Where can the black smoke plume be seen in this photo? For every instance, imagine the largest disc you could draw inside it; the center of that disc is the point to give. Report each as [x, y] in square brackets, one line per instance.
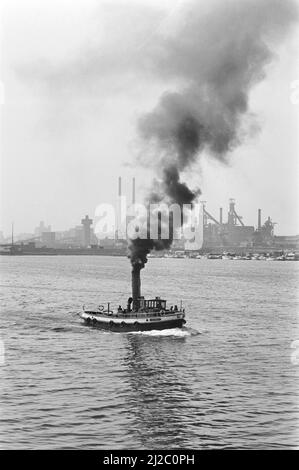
[219, 51]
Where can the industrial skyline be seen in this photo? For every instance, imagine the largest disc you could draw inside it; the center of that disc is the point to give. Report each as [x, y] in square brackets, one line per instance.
[225, 230]
[84, 232]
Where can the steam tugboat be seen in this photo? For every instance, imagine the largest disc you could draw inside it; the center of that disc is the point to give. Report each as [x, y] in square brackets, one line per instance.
[139, 314]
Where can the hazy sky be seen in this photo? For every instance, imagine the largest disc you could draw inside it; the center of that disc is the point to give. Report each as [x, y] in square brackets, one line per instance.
[78, 74]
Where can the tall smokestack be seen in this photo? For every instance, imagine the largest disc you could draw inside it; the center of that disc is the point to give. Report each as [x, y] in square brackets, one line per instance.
[136, 285]
[133, 191]
[259, 220]
[221, 216]
[118, 211]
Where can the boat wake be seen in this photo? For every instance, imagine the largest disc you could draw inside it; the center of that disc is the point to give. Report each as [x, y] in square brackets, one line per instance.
[176, 332]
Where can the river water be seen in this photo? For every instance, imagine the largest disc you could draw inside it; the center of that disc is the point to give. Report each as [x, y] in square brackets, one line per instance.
[226, 380]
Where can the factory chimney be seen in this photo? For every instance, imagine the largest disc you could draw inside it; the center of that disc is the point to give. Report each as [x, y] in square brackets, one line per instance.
[259, 220]
[118, 211]
[136, 285]
[133, 191]
[221, 216]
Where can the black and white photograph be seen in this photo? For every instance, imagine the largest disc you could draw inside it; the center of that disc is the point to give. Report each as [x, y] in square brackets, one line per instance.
[149, 229]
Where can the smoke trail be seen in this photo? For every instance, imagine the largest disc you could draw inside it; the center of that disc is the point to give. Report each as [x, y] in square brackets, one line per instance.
[216, 55]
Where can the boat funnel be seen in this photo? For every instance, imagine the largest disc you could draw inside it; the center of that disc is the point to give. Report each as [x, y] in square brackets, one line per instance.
[136, 286]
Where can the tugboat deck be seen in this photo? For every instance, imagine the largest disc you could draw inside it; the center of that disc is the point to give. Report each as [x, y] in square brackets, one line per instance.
[145, 315]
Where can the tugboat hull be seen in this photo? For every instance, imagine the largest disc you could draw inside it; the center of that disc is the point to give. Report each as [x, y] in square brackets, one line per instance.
[127, 325]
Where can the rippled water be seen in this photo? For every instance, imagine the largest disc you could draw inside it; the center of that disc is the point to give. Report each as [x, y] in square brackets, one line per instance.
[225, 380]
